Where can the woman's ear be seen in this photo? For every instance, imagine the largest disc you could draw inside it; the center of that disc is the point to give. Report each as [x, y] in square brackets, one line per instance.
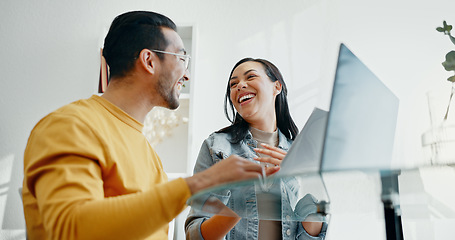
[278, 87]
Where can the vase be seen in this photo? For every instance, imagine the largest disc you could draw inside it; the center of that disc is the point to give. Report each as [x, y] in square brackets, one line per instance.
[439, 141]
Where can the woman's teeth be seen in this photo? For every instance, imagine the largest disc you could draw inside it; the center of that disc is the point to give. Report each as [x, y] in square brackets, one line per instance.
[245, 97]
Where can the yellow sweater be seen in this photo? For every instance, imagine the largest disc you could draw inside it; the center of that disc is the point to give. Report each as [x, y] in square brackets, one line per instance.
[89, 173]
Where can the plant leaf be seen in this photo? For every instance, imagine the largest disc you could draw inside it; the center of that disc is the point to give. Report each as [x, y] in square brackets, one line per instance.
[449, 63]
[451, 79]
[440, 29]
[452, 38]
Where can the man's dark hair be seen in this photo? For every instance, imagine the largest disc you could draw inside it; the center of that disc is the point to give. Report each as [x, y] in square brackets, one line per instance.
[130, 33]
[239, 127]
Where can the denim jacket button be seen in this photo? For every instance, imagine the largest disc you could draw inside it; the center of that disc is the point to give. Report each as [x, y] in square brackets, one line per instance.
[288, 217]
[288, 232]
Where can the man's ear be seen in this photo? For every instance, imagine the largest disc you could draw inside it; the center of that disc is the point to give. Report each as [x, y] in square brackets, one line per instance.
[148, 60]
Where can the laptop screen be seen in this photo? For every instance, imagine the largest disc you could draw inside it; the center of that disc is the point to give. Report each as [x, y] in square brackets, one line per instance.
[362, 119]
[306, 150]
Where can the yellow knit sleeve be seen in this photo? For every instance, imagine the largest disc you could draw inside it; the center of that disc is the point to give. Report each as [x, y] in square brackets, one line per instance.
[66, 179]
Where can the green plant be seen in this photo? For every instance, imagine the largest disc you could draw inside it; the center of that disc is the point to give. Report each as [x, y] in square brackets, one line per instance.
[449, 63]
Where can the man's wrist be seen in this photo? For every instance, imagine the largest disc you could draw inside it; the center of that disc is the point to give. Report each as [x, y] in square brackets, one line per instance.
[197, 182]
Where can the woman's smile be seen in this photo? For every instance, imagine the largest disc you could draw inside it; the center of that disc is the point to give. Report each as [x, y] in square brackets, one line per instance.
[246, 98]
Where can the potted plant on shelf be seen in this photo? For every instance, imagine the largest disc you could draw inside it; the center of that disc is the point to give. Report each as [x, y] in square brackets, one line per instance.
[439, 141]
[449, 63]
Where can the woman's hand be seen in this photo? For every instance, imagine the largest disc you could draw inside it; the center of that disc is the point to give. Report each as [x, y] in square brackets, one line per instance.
[275, 155]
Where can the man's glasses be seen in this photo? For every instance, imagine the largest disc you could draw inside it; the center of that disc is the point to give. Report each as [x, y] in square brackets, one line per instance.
[184, 58]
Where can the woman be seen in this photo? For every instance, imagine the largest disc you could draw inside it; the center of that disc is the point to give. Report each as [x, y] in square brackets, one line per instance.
[262, 130]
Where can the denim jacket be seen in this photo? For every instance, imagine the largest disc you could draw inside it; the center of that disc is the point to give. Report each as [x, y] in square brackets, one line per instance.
[219, 146]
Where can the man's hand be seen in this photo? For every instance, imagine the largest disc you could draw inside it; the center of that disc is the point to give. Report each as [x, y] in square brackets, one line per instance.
[231, 169]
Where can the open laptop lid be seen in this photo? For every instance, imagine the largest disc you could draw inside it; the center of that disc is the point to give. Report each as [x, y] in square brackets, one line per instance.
[361, 125]
[357, 133]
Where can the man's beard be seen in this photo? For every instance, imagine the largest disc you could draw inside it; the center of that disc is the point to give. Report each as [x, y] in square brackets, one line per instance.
[166, 90]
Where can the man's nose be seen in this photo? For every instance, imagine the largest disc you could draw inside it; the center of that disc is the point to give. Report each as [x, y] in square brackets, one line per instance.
[186, 76]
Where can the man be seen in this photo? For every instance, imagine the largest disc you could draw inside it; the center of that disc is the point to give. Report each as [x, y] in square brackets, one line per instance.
[89, 173]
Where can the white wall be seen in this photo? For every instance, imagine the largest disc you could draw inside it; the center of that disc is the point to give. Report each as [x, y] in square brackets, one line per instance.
[49, 57]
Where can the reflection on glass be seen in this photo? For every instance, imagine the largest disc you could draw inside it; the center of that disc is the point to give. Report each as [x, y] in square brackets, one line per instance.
[300, 198]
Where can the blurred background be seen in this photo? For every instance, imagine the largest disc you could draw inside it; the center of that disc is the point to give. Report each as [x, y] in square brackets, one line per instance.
[50, 56]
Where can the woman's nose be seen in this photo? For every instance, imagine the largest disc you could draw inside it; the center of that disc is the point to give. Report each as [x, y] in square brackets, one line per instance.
[241, 85]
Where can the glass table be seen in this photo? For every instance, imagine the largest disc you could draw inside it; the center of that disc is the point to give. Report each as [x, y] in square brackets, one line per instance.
[301, 197]
[389, 204]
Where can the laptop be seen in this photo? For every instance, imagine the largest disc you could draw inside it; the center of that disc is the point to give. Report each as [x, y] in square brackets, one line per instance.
[358, 131]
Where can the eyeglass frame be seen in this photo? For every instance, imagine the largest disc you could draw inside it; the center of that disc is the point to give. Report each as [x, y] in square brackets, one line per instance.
[185, 57]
